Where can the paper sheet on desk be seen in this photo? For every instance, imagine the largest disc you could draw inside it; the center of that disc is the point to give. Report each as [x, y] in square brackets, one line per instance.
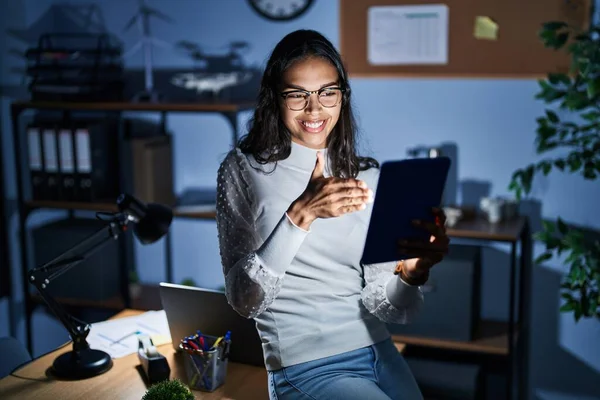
[118, 337]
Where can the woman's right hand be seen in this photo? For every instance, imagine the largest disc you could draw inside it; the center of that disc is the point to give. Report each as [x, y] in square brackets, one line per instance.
[328, 197]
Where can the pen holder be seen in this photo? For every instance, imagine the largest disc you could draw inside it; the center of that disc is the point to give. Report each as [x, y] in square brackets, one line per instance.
[206, 370]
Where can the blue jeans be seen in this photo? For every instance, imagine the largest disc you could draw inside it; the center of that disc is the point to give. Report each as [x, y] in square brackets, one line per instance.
[377, 372]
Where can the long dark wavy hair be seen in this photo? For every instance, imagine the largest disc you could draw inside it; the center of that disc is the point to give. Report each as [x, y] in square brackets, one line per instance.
[268, 140]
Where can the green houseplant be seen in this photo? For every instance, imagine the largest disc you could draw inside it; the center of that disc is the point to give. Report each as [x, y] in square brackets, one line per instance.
[172, 389]
[188, 282]
[571, 146]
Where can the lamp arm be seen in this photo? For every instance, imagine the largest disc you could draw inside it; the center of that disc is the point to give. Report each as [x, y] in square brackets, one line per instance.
[41, 277]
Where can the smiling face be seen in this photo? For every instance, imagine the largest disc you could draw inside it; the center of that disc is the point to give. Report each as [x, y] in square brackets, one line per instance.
[311, 126]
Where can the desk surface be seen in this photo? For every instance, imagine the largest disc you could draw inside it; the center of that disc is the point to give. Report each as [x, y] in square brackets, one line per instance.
[123, 380]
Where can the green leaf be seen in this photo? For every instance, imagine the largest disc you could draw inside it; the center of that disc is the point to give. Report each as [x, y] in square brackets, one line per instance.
[582, 37]
[554, 243]
[549, 226]
[591, 116]
[562, 227]
[542, 236]
[548, 92]
[574, 273]
[571, 258]
[518, 193]
[568, 306]
[546, 167]
[583, 63]
[552, 117]
[546, 132]
[551, 26]
[571, 125]
[527, 178]
[592, 304]
[576, 100]
[577, 312]
[574, 163]
[567, 296]
[560, 40]
[560, 164]
[543, 257]
[548, 37]
[563, 134]
[555, 79]
[593, 88]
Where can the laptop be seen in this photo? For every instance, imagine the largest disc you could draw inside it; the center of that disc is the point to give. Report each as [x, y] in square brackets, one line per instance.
[191, 308]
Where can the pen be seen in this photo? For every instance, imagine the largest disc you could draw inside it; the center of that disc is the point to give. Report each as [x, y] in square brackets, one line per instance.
[198, 341]
[201, 339]
[190, 343]
[216, 343]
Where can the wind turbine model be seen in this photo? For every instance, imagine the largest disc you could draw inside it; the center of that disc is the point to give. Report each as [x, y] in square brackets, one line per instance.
[142, 19]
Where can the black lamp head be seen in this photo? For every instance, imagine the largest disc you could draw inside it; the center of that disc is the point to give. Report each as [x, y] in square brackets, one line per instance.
[150, 221]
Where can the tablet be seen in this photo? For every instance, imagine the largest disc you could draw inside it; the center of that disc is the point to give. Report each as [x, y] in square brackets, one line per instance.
[406, 190]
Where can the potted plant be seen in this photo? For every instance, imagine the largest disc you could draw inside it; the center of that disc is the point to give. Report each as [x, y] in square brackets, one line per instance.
[188, 282]
[135, 288]
[168, 390]
[574, 147]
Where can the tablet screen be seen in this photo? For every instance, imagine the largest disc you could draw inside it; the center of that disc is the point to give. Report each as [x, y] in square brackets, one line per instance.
[406, 190]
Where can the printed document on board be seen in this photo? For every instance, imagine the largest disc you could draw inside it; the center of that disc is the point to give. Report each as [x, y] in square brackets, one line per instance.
[398, 35]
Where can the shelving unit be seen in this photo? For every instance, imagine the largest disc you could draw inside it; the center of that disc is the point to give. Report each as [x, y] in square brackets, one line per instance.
[82, 206]
[497, 345]
[5, 275]
[502, 343]
[26, 206]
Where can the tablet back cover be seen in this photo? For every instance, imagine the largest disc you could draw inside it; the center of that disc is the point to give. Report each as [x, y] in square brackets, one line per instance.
[406, 190]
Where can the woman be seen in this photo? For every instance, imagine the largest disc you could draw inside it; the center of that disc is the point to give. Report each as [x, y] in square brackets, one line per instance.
[292, 213]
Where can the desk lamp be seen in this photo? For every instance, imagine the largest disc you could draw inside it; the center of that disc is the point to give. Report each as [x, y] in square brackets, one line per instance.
[150, 223]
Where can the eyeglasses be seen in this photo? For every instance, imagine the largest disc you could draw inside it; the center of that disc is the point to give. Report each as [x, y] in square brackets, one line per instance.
[297, 100]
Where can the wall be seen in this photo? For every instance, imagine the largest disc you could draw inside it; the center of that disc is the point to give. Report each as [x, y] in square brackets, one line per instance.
[492, 122]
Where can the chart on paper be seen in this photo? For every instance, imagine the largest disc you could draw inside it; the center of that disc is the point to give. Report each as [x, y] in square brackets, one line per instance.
[119, 337]
[407, 35]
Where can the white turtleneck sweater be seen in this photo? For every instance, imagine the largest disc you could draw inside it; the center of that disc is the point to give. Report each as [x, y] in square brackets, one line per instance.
[306, 290]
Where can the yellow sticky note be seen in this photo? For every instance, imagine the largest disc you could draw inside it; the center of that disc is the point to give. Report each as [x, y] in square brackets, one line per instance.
[159, 340]
[485, 28]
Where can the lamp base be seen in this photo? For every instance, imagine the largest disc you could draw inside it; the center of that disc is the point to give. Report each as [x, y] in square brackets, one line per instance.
[82, 364]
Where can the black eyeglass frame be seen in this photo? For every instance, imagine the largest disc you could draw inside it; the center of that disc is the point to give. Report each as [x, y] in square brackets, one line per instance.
[308, 93]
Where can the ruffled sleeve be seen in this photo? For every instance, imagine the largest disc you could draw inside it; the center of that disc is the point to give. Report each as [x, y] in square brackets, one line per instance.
[254, 268]
[388, 297]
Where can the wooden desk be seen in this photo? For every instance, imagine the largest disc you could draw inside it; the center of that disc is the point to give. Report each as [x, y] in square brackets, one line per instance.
[123, 380]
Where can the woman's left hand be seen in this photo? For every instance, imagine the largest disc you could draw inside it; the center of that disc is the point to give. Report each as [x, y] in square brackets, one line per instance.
[426, 255]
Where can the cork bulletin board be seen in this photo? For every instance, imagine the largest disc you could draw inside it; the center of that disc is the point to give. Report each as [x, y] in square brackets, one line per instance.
[454, 38]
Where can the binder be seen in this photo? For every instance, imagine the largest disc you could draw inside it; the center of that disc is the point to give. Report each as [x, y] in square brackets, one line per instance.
[50, 163]
[36, 168]
[83, 164]
[96, 161]
[66, 160]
